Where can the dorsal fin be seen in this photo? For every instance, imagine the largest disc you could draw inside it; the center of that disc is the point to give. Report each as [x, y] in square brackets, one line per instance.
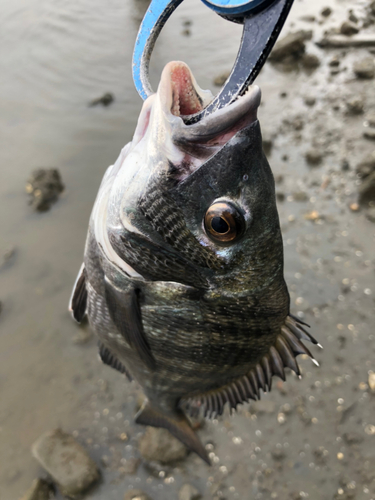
[78, 300]
[109, 359]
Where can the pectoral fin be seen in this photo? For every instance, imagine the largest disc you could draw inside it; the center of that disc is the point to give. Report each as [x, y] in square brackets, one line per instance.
[78, 300]
[109, 359]
[176, 423]
[125, 312]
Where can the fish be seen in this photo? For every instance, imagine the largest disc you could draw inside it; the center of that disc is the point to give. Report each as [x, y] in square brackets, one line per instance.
[183, 275]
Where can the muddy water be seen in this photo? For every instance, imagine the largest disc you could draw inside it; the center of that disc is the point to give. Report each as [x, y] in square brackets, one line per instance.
[54, 58]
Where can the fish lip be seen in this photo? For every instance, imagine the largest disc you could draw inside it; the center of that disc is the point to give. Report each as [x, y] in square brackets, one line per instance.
[217, 127]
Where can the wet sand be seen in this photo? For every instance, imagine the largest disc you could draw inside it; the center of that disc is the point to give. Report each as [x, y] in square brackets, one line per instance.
[313, 438]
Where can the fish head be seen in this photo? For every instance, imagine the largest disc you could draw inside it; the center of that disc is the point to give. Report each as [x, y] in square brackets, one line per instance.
[198, 197]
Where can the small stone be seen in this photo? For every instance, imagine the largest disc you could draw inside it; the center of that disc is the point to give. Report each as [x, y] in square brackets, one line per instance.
[310, 61]
[292, 44]
[313, 157]
[221, 79]
[313, 215]
[66, 461]
[370, 119]
[186, 32]
[39, 490]
[371, 381]
[354, 106]
[136, 495]
[334, 62]
[300, 196]
[369, 133]
[44, 187]
[354, 207]
[326, 11]
[365, 68]
[159, 444]
[105, 100]
[130, 467]
[366, 166]
[348, 28]
[188, 492]
[366, 191]
[352, 438]
[278, 454]
[309, 100]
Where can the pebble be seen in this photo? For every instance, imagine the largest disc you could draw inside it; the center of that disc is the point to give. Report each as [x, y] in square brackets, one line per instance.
[365, 68]
[159, 444]
[348, 28]
[371, 381]
[352, 438]
[326, 11]
[354, 106]
[44, 187]
[66, 461]
[188, 492]
[310, 61]
[334, 62]
[136, 495]
[105, 100]
[39, 490]
[369, 133]
[313, 157]
[309, 100]
[366, 191]
[292, 44]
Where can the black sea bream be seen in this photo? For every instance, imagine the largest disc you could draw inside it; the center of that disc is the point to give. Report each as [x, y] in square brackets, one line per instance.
[182, 279]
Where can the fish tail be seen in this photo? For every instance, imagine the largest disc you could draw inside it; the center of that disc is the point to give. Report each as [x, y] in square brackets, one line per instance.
[176, 423]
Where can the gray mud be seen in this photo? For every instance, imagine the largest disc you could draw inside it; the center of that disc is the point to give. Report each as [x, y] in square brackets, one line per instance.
[311, 438]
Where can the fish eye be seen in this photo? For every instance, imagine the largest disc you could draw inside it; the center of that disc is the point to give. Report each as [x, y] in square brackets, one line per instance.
[223, 223]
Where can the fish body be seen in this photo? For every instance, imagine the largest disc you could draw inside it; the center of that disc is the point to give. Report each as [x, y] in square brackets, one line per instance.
[182, 279]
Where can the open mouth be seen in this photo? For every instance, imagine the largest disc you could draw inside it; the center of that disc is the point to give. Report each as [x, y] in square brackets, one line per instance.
[181, 96]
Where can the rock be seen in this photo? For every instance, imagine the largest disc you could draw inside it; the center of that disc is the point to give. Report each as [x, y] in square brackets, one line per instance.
[221, 79]
[105, 100]
[188, 492]
[365, 68]
[354, 106]
[292, 44]
[44, 187]
[39, 490]
[370, 214]
[159, 444]
[309, 100]
[366, 191]
[326, 11]
[348, 28]
[66, 461]
[366, 166]
[136, 495]
[334, 62]
[310, 61]
[313, 157]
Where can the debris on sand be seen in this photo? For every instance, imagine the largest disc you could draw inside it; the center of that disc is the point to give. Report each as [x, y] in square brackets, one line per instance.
[369, 133]
[364, 68]
[39, 490]
[188, 492]
[44, 187]
[360, 40]
[291, 46]
[221, 79]
[66, 461]
[313, 157]
[136, 495]
[159, 445]
[326, 11]
[105, 100]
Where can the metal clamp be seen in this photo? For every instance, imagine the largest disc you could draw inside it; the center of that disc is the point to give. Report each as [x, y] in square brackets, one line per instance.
[262, 20]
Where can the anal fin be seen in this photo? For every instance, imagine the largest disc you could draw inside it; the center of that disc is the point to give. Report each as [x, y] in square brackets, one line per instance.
[176, 423]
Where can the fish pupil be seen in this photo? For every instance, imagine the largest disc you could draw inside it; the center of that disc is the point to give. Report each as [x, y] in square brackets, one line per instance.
[219, 225]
